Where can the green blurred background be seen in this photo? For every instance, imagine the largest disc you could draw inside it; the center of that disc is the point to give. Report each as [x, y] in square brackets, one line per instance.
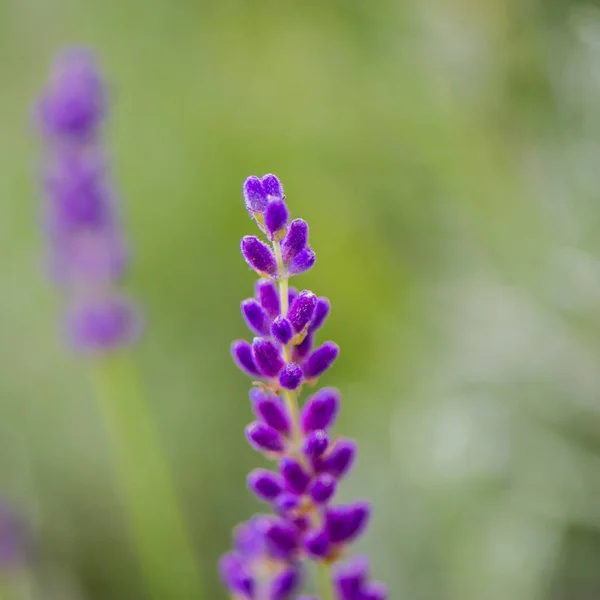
[446, 154]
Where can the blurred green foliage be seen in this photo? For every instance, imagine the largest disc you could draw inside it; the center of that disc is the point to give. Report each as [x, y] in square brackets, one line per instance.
[446, 155]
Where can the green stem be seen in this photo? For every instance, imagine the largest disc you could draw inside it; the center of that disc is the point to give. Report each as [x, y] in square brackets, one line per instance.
[158, 530]
[325, 582]
[290, 398]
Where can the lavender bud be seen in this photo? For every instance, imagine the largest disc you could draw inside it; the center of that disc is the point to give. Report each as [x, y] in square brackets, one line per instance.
[320, 410]
[286, 503]
[281, 329]
[295, 240]
[320, 360]
[272, 187]
[255, 316]
[276, 217]
[14, 542]
[73, 105]
[258, 255]
[344, 523]
[322, 488]
[315, 443]
[273, 412]
[307, 598]
[268, 296]
[248, 537]
[241, 351]
[321, 312]
[302, 350]
[302, 262]
[264, 438]
[350, 578]
[316, 543]
[302, 310]
[102, 325]
[374, 590]
[282, 538]
[295, 477]
[339, 459]
[284, 584]
[292, 293]
[254, 194]
[267, 357]
[291, 376]
[235, 576]
[265, 484]
[302, 522]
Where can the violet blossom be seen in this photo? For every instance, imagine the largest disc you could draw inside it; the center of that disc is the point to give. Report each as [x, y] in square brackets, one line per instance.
[282, 357]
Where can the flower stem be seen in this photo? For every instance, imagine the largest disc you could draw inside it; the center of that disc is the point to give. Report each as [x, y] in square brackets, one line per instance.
[159, 534]
[290, 398]
[325, 582]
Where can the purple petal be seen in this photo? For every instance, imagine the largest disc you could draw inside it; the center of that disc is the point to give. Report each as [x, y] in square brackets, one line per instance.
[248, 538]
[254, 194]
[258, 255]
[302, 262]
[268, 296]
[321, 312]
[295, 477]
[265, 484]
[241, 351]
[302, 350]
[284, 584]
[349, 578]
[320, 360]
[276, 217]
[302, 310]
[317, 543]
[273, 412]
[315, 443]
[103, 325]
[287, 503]
[272, 186]
[290, 377]
[374, 590]
[255, 316]
[292, 293]
[322, 488]
[340, 458]
[295, 240]
[235, 576]
[320, 410]
[281, 329]
[281, 538]
[344, 523]
[264, 438]
[73, 105]
[267, 357]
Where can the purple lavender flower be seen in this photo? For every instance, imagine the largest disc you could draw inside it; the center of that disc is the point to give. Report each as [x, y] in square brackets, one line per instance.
[262, 563]
[310, 461]
[87, 254]
[14, 549]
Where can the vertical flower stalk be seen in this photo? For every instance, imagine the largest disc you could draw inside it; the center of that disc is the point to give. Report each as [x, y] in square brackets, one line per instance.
[306, 524]
[88, 260]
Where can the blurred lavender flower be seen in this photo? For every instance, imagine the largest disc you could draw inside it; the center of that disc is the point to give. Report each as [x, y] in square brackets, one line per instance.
[310, 462]
[87, 254]
[14, 549]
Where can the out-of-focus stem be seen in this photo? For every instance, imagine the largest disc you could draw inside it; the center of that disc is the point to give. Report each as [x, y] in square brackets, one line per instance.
[158, 530]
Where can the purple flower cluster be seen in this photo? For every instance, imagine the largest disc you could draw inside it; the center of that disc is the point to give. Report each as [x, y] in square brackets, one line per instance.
[87, 254]
[306, 524]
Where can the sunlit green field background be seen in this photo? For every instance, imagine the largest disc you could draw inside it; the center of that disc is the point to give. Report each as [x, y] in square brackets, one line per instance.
[446, 154]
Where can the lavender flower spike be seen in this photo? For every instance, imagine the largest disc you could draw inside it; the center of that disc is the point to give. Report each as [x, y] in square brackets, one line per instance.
[86, 251]
[310, 461]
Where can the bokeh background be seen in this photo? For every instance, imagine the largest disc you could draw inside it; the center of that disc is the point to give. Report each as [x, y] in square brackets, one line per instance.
[446, 154]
